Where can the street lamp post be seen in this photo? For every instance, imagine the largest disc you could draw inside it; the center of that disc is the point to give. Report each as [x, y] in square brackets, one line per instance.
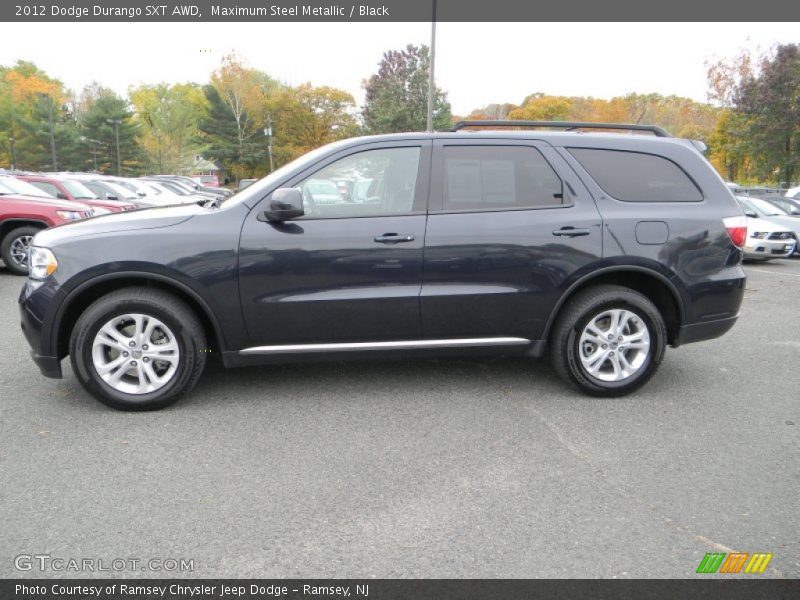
[116, 123]
[11, 141]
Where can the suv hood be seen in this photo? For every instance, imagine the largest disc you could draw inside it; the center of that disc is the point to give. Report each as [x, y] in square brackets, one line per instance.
[785, 222]
[49, 202]
[151, 218]
[765, 224]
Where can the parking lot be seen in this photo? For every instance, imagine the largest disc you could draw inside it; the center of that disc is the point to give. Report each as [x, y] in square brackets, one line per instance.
[432, 468]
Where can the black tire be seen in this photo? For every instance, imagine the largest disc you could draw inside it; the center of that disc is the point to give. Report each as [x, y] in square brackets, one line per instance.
[173, 313]
[5, 248]
[576, 315]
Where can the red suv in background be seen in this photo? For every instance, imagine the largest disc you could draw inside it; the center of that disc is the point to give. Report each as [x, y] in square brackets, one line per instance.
[68, 189]
[21, 217]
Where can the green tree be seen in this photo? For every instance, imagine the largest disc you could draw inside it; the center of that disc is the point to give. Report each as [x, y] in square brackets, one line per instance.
[237, 113]
[226, 143]
[769, 99]
[105, 116]
[397, 95]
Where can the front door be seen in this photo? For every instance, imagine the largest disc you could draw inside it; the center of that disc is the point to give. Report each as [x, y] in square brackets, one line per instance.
[350, 269]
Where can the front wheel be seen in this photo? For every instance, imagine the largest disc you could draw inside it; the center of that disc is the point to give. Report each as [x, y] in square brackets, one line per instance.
[14, 249]
[608, 340]
[138, 349]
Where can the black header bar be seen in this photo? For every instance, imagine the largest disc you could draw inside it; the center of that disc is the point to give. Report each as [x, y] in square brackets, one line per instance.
[278, 11]
[734, 588]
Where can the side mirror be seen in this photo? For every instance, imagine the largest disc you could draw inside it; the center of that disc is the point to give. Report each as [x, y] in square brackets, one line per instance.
[285, 204]
[61, 196]
[750, 213]
[111, 196]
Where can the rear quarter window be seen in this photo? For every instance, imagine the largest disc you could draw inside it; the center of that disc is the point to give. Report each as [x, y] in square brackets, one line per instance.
[636, 176]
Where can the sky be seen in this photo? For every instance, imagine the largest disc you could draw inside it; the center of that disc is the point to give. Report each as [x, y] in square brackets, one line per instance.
[476, 63]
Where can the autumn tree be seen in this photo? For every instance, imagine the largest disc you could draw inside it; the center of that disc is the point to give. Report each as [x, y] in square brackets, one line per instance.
[397, 95]
[490, 112]
[168, 124]
[308, 117]
[540, 107]
[35, 113]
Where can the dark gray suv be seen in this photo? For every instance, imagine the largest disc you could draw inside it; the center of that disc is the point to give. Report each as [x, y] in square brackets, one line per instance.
[598, 248]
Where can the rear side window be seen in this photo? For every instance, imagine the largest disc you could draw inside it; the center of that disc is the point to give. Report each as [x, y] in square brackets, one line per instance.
[637, 177]
[498, 178]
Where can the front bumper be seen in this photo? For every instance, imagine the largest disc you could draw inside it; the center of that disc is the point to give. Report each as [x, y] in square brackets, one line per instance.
[766, 249]
[37, 306]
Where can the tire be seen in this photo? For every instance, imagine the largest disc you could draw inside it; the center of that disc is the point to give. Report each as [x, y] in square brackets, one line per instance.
[112, 336]
[590, 366]
[12, 243]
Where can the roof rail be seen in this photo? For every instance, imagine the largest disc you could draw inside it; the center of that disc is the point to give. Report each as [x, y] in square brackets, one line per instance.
[568, 125]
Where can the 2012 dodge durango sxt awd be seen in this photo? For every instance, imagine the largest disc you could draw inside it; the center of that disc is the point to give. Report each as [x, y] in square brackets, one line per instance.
[599, 248]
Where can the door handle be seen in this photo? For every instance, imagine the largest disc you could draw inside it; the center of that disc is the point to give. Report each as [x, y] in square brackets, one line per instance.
[570, 231]
[394, 238]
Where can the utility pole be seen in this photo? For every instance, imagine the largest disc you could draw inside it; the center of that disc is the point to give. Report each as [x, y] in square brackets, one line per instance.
[52, 132]
[116, 123]
[431, 84]
[11, 141]
[268, 133]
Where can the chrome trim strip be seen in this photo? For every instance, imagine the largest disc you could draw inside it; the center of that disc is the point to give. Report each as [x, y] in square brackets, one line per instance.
[402, 345]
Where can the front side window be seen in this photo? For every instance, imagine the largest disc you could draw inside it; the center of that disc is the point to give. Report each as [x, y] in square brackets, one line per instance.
[46, 187]
[637, 177]
[498, 178]
[373, 182]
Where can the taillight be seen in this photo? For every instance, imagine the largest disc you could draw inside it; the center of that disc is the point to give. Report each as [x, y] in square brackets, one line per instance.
[737, 229]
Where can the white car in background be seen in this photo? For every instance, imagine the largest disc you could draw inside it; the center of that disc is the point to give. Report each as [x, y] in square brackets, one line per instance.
[766, 239]
[164, 195]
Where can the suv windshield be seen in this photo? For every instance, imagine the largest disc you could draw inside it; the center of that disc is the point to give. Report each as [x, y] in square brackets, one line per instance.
[766, 208]
[122, 191]
[78, 190]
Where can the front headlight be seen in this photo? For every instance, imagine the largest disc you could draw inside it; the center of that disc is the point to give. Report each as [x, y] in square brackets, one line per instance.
[70, 215]
[41, 263]
[759, 235]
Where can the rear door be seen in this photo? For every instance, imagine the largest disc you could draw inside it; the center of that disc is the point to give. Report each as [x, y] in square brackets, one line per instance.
[510, 225]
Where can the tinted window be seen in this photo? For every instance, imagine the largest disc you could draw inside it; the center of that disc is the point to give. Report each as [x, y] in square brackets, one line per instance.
[637, 177]
[498, 178]
[373, 182]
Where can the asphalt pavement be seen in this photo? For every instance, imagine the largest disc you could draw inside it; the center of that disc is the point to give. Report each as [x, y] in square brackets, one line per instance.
[428, 468]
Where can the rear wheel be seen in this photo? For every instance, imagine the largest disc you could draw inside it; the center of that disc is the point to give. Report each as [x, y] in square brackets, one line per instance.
[138, 349]
[608, 340]
[14, 249]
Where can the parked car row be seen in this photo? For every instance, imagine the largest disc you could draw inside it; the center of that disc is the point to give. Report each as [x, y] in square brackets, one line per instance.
[772, 232]
[30, 202]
